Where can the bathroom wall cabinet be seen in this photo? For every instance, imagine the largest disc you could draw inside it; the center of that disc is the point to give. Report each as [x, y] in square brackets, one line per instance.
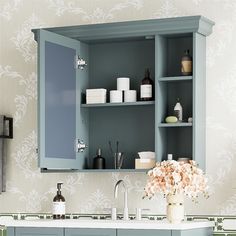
[112, 50]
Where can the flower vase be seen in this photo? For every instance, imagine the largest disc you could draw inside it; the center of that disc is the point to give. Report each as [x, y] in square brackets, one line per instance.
[175, 208]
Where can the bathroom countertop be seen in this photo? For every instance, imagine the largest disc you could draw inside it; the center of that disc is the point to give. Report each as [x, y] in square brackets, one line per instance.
[106, 224]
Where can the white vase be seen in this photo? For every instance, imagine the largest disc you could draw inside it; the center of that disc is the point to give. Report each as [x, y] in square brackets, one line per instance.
[175, 208]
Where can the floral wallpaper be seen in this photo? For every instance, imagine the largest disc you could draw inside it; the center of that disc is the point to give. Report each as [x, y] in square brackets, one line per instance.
[28, 190]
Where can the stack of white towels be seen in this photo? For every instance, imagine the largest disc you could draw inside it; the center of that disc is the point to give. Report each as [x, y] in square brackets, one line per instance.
[96, 96]
[122, 94]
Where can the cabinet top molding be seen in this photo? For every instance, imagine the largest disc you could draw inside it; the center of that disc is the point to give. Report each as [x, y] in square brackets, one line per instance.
[127, 29]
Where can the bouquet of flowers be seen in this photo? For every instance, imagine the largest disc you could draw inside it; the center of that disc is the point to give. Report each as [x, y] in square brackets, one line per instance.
[172, 177]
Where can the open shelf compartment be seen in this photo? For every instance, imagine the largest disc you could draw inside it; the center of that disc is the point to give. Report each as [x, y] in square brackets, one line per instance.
[132, 126]
[176, 141]
[169, 93]
[170, 49]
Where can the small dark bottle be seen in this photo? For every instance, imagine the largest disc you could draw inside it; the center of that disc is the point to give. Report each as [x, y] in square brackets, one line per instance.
[147, 87]
[99, 162]
[186, 64]
[59, 206]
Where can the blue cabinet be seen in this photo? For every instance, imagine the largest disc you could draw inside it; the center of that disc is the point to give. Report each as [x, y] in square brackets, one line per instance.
[25, 231]
[90, 232]
[110, 51]
[143, 232]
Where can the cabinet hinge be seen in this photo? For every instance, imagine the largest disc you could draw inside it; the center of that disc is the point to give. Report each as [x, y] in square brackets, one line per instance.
[80, 62]
[80, 145]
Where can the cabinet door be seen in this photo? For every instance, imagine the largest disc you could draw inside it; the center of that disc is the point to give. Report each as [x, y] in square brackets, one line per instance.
[143, 232]
[90, 232]
[38, 231]
[10, 231]
[193, 232]
[59, 86]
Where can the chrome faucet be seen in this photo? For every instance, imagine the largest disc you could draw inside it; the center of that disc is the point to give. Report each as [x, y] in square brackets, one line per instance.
[126, 210]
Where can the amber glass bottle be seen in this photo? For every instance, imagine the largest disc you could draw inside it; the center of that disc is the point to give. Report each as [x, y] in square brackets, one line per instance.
[58, 210]
[147, 87]
[186, 64]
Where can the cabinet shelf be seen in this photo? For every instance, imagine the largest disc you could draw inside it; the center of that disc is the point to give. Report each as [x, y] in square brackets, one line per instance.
[175, 78]
[115, 170]
[93, 170]
[141, 103]
[168, 125]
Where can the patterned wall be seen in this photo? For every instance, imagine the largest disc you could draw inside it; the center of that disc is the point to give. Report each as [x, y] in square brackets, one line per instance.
[30, 191]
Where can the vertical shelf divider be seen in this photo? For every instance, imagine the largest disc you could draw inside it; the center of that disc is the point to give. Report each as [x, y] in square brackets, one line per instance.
[161, 102]
[199, 99]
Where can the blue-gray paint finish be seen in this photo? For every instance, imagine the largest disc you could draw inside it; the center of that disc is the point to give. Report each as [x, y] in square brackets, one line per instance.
[143, 232]
[69, 47]
[199, 99]
[82, 115]
[193, 232]
[91, 33]
[24, 231]
[10, 231]
[90, 232]
[60, 101]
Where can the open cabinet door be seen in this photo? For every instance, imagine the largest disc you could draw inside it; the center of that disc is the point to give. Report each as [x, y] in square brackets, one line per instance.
[60, 82]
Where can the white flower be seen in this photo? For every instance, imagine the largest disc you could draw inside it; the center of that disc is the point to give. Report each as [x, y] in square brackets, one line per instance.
[177, 177]
[157, 172]
[171, 177]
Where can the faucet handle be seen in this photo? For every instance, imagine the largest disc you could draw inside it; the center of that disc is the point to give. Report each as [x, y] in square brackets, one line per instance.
[139, 213]
[113, 211]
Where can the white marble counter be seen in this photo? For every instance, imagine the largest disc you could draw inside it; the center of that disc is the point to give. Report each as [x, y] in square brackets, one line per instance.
[107, 224]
